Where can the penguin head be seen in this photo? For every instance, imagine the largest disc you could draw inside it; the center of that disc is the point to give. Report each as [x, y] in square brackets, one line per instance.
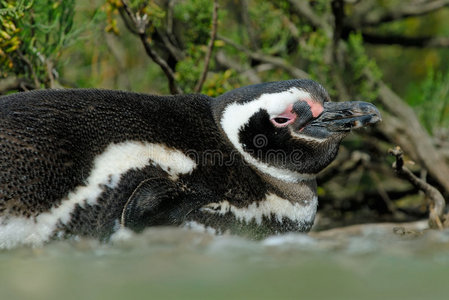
[288, 129]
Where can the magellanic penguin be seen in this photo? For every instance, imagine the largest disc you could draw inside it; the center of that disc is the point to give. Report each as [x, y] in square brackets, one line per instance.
[86, 162]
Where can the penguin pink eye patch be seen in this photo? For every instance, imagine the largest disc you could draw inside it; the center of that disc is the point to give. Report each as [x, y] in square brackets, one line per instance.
[289, 116]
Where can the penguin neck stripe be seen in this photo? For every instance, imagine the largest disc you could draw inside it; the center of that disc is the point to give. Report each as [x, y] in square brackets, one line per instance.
[272, 205]
[237, 115]
[306, 137]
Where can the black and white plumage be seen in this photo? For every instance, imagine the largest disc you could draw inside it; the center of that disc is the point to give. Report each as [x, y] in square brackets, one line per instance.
[89, 162]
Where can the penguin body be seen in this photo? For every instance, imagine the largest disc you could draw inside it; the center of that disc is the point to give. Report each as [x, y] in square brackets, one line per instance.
[83, 162]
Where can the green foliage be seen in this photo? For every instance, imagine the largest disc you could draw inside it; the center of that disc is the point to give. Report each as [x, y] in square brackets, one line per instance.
[195, 16]
[431, 101]
[358, 64]
[36, 32]
[189, 69]
[219, 83]
[313, 51]
[267, 21]
[10, 14]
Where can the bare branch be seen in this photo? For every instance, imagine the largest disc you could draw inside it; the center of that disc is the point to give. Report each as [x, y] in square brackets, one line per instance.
[401, 125]
[276, 61]
[50, 70]
[210, 48]
[140, 23]
[437, 42]
[402, 11]
[437, 203]
[129, 24]
[14, 83]
[177, 53]
[171, 5]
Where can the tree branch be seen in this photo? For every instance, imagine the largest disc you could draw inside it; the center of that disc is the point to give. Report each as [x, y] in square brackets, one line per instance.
[14, 83]
[276, 61]
[437, 203]
[210, 48]
[401, 125]
[140, 23]
[402, 11]
[438, 42]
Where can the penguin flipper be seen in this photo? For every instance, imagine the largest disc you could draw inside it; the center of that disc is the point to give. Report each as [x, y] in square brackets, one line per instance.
[150, 204]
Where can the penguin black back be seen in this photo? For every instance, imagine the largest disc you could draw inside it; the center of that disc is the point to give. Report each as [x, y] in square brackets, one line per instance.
[63, 131]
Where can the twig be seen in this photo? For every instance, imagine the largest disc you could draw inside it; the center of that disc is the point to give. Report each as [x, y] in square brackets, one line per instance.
[210, 48]
[170, 7]
[14, 83]
[402, 125]
[177, 53]
[437, 203]
[140, 23]
[51, 78]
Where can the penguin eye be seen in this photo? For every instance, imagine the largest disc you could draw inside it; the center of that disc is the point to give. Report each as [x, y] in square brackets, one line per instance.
[281, 121]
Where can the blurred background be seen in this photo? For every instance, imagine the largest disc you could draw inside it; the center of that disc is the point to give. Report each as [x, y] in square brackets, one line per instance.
[392, 53]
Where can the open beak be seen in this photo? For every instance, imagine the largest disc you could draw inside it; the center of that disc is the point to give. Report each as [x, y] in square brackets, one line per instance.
[342, 117]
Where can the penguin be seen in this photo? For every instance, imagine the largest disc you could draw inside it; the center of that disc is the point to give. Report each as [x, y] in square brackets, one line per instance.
[89, 162]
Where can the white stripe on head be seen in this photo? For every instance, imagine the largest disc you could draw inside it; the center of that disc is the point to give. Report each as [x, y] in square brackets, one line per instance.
[237, 115]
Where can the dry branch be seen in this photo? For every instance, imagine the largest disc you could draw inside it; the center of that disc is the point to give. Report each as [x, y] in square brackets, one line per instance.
[9, 83]
[210, 48]
[401, 125]
[437, 203]
[139, 26]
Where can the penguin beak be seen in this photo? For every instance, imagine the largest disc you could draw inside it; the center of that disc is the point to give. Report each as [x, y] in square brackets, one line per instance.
[340, 117]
